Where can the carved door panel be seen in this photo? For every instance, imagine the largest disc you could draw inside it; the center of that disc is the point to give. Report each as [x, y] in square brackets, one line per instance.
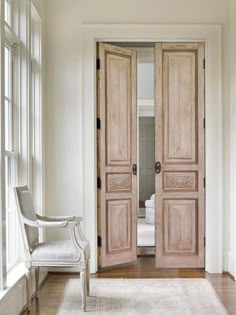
[180, 150]
[117, 155]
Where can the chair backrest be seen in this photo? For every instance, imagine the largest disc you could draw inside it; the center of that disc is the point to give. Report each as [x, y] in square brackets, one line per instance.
[26, 209]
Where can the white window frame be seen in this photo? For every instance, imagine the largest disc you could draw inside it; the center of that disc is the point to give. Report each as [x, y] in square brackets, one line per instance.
[3, 277]
[35, 122]
[19, 34]
[12, 43]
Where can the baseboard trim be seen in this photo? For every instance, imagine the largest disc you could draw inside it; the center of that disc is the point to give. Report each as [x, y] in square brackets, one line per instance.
[229, 275]
[73, 273]
[62, 269]
[229, 265]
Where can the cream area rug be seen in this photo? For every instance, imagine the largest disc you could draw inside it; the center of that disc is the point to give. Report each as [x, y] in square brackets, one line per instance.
[143, 296]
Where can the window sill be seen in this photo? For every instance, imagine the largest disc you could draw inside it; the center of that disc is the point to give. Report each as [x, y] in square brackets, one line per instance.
[13, 276]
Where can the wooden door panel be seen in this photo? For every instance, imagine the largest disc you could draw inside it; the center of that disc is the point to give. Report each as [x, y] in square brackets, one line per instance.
[119, 113]
[117, 152]
[180, 181]
[118, 225]
[179, 104]
[180, 204]
[119, 182]
[180, 226]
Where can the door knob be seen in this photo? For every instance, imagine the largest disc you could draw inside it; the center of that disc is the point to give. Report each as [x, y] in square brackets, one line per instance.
[158, 167]
[134, 169]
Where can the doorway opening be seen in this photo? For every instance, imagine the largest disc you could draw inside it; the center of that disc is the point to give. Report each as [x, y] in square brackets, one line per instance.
[145, 63]
[151, 153]
[146, 151]
[146, 178]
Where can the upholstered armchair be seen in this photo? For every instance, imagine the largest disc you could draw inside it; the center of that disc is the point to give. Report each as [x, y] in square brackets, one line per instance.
[69, 253]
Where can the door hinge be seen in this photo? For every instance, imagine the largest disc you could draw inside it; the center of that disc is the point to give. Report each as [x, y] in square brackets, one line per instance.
[204, 241]
[99, 241]
[204, 123]
[98, 123]
[98, 64]
[204, 63]
[204, 182]
[99, 183]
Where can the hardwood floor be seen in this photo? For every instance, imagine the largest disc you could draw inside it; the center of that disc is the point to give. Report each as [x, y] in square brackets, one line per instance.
[52, 291]
[146, 251]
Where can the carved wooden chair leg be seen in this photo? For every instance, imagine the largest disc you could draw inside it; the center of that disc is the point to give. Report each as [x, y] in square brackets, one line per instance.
[37, 281]
[88, 279]
[28, 288]
[83, 276]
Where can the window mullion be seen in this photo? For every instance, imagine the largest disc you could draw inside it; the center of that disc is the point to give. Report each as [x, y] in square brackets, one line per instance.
[13, 76]
[3, 262]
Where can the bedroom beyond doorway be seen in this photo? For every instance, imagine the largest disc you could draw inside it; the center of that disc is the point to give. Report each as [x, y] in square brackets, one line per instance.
[146, 152]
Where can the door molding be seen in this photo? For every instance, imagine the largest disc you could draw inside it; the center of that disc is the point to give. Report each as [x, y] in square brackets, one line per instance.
[212, 36]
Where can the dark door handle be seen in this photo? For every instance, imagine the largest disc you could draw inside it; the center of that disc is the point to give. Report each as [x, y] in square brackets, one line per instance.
[158, 167]
[134, 169]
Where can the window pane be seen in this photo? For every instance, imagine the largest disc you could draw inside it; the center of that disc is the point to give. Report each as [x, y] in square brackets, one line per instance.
[12, 232]
[11, 172]
[8, 11]
[8, 126]
[12, 235]
[7, 71]
[8, 101]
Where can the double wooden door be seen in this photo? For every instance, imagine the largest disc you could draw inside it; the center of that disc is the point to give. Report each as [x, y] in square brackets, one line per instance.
[179, 153]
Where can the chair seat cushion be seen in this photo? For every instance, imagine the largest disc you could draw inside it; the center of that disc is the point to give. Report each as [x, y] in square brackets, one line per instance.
[55, 251]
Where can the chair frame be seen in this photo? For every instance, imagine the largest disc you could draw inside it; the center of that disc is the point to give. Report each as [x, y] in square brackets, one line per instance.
[80, 242]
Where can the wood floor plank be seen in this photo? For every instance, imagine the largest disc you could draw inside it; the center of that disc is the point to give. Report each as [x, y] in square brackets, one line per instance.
[52, 291]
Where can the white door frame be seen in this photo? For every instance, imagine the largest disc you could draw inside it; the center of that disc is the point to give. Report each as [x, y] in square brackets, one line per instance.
[211, 35]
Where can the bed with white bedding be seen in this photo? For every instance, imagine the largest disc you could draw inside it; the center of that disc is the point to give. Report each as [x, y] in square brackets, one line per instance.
[150, 210]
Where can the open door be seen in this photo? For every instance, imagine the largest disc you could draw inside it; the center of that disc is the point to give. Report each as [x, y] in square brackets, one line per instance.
[117, 155]
[179, 116]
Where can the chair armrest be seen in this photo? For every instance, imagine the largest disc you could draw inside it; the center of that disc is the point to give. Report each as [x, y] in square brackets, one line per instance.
[39, 223]
[58, 218]
[77, 219]
[29, 222]
[54, 219]
[52, 224]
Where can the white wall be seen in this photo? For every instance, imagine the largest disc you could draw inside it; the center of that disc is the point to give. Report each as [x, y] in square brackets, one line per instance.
[64, 110]
[15, 297]
[145, 80]
[230, 146]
